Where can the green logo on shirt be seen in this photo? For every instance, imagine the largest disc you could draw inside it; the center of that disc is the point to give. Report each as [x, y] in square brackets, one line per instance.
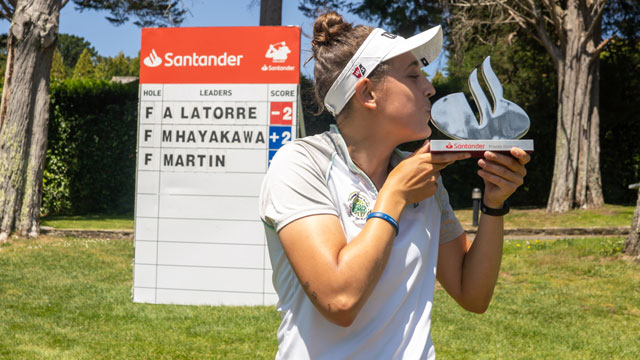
[358, 205]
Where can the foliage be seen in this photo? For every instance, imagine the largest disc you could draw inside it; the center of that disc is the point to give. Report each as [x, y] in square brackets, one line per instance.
[619, 129]
[90, 161]
[529, 79]
[72, 46]
[70, 298]
[148, 13]
[405, 17]
[523, 69]
[119, 65]
[58, 69]
[314, 122]
[84, 66]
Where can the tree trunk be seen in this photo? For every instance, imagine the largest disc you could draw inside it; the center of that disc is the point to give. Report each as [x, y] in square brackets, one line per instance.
[23, 136]
[632, 245]
[576, 176]
[270, 12]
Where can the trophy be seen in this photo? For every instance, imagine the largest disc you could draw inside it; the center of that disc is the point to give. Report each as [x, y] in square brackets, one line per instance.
[499, 129]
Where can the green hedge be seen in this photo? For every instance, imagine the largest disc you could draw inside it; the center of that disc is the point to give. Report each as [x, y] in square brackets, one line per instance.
[90, 163]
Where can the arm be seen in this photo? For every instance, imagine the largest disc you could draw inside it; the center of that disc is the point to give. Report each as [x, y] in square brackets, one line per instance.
[469, 271]
[339, 277]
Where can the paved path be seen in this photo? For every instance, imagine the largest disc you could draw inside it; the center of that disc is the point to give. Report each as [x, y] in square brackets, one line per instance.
[509, 234]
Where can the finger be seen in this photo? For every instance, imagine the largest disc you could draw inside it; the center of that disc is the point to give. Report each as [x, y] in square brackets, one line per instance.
[502, 171]
[445, 158]
[425, 148]
[510, 162]
[506, 186]
[522, 156]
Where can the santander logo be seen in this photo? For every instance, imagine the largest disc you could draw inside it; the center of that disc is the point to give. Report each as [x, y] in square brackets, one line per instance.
[192, 59]
[153, 59]
[449, 146]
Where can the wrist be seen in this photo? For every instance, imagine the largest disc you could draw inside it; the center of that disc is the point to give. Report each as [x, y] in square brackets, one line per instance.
[494, 211]
[493, 204]
[390, 202]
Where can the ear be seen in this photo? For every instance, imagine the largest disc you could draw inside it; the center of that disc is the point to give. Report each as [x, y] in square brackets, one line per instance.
[364, 94]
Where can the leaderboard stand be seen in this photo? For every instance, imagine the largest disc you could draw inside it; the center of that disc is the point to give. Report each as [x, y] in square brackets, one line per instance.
[215, 106]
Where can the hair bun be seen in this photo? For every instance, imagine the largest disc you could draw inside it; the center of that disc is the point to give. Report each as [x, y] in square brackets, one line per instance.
[327, 28]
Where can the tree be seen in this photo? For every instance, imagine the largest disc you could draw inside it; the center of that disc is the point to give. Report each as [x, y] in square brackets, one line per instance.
[570, 31]
[58, 69]
[270, 12]
[71, 47]
[24, 109]
[119, 65]
[84, 66]
[632, 245]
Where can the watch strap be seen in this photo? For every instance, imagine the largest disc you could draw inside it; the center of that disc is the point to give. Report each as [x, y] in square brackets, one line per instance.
[494, 212]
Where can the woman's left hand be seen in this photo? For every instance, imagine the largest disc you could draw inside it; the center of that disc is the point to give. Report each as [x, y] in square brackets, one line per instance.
[502, 175]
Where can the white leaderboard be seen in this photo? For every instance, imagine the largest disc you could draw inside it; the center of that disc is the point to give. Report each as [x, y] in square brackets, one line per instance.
[203, 151]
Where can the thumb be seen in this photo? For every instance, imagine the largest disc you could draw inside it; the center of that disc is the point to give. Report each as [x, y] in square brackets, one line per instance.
[425, 148]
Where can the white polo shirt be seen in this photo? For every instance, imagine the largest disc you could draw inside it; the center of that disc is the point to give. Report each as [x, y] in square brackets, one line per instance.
[315, 175]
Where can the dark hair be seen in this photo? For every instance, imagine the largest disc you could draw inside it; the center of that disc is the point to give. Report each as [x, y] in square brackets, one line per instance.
[334, 44]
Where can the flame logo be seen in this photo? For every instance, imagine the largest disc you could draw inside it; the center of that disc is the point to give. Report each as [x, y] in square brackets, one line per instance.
[453, 116]
[264, 68]
[449, 146]
[153, 59]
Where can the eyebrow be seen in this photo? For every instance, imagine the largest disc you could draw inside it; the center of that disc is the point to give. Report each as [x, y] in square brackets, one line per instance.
[413, 63]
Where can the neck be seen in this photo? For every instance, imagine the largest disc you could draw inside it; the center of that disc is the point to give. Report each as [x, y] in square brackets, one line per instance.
[369, 149]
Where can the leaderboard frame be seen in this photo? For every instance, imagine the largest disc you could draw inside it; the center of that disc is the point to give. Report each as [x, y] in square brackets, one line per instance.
[215, 105]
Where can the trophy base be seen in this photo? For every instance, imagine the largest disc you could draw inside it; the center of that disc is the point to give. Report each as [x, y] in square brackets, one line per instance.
[478, 147]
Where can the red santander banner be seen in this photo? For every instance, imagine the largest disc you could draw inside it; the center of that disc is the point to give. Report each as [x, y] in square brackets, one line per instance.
[220, 55]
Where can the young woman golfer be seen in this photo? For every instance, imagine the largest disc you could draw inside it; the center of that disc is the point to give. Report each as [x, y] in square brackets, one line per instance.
[357, 231]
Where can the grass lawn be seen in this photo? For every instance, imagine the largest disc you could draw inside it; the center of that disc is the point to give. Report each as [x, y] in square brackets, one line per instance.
[89, 222]
[68, 298]
[609, 215]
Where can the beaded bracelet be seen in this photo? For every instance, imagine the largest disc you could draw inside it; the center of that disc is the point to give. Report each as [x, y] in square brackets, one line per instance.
[386, 217]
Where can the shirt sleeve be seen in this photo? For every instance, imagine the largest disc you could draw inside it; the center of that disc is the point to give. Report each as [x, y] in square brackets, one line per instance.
[450, 227]
[295, 186]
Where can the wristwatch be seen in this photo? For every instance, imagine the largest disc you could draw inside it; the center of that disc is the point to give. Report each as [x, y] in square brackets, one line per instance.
[494, 212]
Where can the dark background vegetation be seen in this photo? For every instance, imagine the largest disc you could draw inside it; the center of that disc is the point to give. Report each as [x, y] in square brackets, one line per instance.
[90, 166]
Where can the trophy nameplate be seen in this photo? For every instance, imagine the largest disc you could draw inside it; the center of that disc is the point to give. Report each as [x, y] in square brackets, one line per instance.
[500, 127]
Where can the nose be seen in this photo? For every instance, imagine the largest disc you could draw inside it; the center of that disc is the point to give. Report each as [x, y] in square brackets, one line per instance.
[429, 90]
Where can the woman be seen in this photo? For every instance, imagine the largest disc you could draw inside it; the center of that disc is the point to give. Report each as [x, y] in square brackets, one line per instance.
[356, 229]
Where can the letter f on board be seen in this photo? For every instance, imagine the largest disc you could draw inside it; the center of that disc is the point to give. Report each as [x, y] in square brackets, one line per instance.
[505, 120]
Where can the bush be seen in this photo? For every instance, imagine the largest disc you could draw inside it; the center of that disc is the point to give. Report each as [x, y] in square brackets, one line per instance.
[90, 161]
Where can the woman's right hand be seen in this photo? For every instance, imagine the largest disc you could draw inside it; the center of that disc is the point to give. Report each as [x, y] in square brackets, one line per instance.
[415, 178]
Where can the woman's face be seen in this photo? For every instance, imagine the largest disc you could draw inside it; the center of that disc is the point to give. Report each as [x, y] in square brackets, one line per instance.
[403, 99]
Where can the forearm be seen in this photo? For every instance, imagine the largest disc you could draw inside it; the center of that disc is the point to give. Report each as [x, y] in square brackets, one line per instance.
[481, 264]
[362, 261]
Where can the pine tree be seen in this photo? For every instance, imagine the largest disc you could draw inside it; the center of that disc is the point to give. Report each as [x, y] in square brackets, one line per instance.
[84, 67]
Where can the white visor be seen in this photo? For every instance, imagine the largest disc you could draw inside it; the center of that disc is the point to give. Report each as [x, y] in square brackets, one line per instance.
[380, 46]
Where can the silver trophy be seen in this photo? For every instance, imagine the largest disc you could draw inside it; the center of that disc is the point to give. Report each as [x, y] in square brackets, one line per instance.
[500, 126]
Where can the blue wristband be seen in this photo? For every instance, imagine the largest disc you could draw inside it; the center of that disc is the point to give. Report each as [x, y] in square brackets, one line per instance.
[386, 217]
